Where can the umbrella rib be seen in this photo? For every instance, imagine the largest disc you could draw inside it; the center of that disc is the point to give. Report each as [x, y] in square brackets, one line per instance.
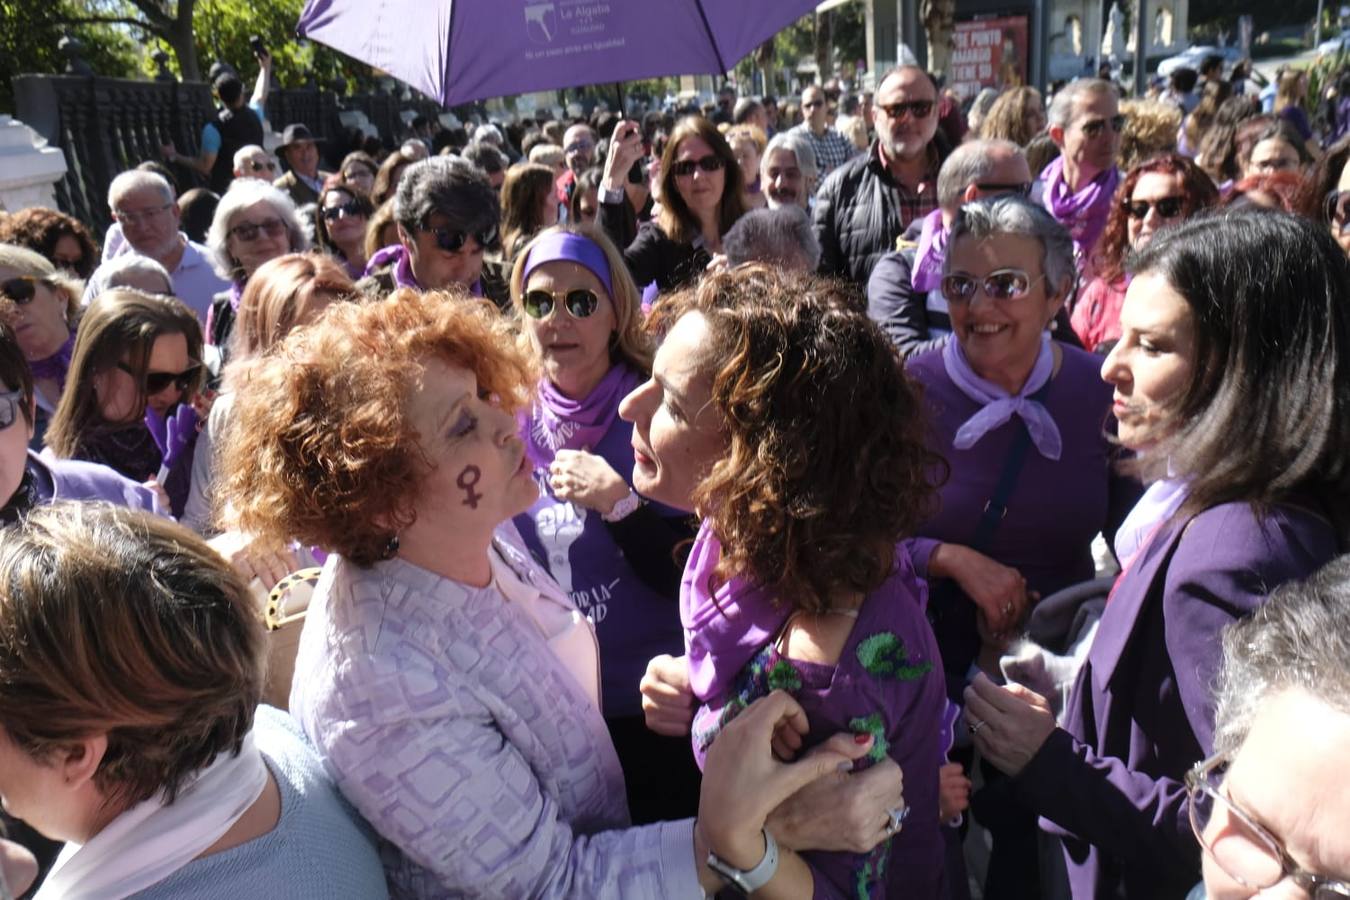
[717, 51]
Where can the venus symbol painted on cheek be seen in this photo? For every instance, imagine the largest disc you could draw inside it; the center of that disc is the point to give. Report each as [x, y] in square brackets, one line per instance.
[466, 480]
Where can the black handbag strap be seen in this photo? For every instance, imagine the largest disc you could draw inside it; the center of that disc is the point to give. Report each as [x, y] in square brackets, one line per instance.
[996, 509]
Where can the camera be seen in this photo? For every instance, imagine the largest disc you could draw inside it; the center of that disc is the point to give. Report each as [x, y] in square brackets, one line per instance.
[256, 44]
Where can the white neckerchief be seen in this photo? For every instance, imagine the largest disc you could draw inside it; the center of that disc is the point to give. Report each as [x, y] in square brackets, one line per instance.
[151, 841]
[1158, 504]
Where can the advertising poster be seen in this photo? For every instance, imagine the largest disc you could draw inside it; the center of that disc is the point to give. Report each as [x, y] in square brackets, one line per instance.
[989, 53]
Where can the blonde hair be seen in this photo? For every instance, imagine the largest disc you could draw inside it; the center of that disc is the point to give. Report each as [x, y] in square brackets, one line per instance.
[1151, 128]
[33, 264]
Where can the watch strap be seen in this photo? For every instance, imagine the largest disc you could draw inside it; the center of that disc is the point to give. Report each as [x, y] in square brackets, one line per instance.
[748, 881]
[624, 508]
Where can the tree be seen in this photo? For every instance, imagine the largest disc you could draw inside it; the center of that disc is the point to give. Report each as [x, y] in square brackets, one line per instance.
[29, 33]
[170, 22]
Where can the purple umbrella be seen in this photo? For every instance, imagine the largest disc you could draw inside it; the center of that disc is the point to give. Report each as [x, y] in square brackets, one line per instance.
[464, 50]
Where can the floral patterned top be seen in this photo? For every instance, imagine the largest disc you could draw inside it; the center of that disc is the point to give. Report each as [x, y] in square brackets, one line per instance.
[888, 682]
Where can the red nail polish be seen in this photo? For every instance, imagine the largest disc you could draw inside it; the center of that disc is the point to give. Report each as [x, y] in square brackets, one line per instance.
[861, 739]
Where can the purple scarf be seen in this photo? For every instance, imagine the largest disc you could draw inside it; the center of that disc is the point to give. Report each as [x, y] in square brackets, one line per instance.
[402, 268]
[998, 406]
[1085, 212]
[236, 295]
[55, 366]
[560, 423]
[927, 271]
[725, 625]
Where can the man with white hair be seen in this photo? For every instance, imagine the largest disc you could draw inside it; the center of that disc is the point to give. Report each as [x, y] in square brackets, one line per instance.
[787, 171]
[1085, 123]
[252, 161]
[904, 294]
[143, 204]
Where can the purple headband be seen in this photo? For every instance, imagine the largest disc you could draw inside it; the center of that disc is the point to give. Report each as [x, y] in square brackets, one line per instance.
[571, 247]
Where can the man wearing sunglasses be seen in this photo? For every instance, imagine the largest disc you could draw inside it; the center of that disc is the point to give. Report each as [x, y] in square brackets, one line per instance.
[237, 124]
[1077, 188]
[447, 214]
[144, 207]
[255, 162]
[832, 148]
[869, 202]
[904, 294]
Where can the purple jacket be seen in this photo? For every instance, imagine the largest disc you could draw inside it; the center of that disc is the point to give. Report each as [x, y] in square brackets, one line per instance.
[73, 479]
[1142, 711]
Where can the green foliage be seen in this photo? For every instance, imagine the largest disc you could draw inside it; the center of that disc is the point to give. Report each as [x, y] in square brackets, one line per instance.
[30, 30]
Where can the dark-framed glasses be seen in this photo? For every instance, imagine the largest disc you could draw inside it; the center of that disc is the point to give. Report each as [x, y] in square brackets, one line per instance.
[919, 109]
[155, 382]
[21, 289]
[1336, 210]
[581, 303]
[351, 209]
[1167, 207]
[249, 231]
[686, 167]
[1244, 850]
[452, 241]
[1000, 284]
[1094, 127]
[10, 408]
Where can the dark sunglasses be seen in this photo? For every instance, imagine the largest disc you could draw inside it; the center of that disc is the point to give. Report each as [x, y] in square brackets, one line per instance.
[1001, 284]
[350, 209]
[10, 408]
[1336, 209]
[256, 166]
[919, 109]
[454, 241]
[248, 232]
[154, 382]
[21, 290]
[1013, 187]
[1095, 128]
[581, 303]
[707, 163]
[1167, 207]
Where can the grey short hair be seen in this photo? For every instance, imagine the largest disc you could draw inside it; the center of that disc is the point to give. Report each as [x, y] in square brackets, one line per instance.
[546, 154]
[486, 157]
[968, 164]
[450, 185]
[245, 152]
[489, 133]
[243, 193]
[117, 272]
[1061, 107]
[799, 147]
[779, 235]
[133, 180]
[1013, 214]
[1299, 638]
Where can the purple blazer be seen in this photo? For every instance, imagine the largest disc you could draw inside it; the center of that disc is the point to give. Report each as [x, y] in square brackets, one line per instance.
[1109, 783]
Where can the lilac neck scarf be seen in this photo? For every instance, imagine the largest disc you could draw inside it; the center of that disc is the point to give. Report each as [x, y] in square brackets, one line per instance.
[998, 406]
[725, 624]
[1158, 504]
[55, 366]
[236, 295]
[927, 271]
[1085, 212]
[560, 423]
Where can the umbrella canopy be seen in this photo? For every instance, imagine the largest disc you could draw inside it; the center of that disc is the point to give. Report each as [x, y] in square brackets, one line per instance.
[465, 50]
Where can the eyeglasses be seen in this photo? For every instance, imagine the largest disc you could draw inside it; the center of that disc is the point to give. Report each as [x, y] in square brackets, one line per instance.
[127, 217]
[1167, 207]
[1095, 127]
[248, 231]
[22, 289]
[454, 241]
[10, 408]
[1336, 209]
[581, 303]
[1245, 851]
[155, 382]
[351, 209]
[256, 166]
[1012, 187]
[919, 109]
[685, 167]
[1000, 284]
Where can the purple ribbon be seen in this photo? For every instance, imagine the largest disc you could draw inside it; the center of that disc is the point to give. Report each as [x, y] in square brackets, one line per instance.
[558, 422]
[998, 406]
[1083, 213]
[236, 295]
[927, 272]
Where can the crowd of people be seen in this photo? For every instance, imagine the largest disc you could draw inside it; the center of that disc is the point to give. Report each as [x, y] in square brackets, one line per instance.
[876, 496]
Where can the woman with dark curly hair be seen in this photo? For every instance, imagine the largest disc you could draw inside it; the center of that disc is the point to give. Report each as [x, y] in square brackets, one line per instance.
[61, 239]
[452, 688]
[781, 415]
[1163, 191]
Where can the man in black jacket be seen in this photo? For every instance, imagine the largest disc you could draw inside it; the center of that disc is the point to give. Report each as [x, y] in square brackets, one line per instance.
[237, 124]
[869, 201]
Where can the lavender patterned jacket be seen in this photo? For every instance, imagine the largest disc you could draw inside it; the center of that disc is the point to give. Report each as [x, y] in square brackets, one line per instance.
[446, 720]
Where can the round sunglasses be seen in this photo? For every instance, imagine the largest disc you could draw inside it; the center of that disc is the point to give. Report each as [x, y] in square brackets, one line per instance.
[1000, 284]
[22, 289]
[580, 303]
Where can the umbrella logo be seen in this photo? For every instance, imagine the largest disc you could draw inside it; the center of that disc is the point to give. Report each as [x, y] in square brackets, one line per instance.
[540, 22]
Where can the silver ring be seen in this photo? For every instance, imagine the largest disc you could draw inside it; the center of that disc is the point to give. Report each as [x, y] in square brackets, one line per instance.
[976, 726]
[897, 819]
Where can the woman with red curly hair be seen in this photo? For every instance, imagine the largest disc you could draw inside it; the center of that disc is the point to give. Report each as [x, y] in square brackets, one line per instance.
[781, 415]
[451, 687]
[1162, 191]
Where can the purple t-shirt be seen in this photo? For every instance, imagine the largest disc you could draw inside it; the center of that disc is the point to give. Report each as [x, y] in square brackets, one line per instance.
[632, 621]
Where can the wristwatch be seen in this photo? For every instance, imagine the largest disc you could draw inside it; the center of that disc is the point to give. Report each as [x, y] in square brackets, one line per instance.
[624, 508]
[612, 197]
[747, 882]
